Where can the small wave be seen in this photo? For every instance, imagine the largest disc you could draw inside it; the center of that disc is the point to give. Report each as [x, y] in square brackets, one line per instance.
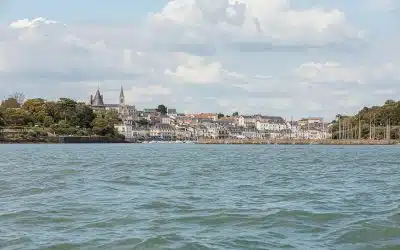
[120, 243]
[123, 180]
[257, 243]
[363, 234]
[110, 223]
[16, 243]
[62, 246]
[221, 219]
[156, 242]
[158, 205]
[307, 216]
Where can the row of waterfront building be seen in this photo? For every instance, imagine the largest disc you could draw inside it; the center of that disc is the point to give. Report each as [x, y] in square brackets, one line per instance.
[150, 124]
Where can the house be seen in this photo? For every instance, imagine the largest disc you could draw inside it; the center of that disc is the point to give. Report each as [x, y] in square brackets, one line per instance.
[162, 131]
[247, 121]
[226, 122]
[164, 119]
[206, 116]
[172, 112]
[138, 132]
[250, 133]
[184, 133]
[315, 120]
[185, 119]
[263, 123]
[125, 130]
[311, 121]
[270, 125]
[150, 110]
[199, 131]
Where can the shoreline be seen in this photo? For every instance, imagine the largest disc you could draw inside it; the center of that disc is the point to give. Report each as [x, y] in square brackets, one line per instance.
[222, 142]
[299, 142]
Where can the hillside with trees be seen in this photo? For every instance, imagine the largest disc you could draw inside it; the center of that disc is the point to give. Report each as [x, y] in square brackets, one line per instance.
[376, 122]
[62, 117]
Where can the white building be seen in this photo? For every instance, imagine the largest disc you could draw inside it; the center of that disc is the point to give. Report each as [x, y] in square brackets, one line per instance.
[247, 121]
[268, 125]
[311, 121]
[166, 119]
[162, 131]
[125, 130]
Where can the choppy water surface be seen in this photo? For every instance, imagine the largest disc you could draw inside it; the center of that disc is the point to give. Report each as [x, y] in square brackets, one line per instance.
[199, 197]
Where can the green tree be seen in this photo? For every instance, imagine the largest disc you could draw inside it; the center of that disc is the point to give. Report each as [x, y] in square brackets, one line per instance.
[66, 108]
[36, 109]
[17, 117]
[83, 116]
[2, 119]
[376, 116]
[162, 109]
[63, 128]
[390, 102]
[34, 105]
[48, 121]
[102, 127]
[104, 123]
[143, 123]
[235, 114]
[54, 111]
[220, 115]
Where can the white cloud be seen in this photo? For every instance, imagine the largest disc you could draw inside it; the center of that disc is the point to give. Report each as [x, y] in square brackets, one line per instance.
[329, 72]
[34, 23]
[255, 20]
[196, 70]
[334, 72]
[191, 50]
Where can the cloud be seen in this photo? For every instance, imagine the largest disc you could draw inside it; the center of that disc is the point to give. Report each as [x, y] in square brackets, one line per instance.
[251, 56]
[275, 22]
[333, 72]
[26, 23]
[329, 72]
[200, 70]
[196, 70]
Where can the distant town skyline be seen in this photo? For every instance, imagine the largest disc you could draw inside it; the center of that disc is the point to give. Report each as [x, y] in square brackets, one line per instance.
[309, 58]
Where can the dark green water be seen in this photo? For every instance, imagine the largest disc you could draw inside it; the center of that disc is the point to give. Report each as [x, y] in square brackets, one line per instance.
[199, 197]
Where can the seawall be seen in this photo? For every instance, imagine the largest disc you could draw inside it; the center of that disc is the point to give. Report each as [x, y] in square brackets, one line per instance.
[298, 141]
[59, 140]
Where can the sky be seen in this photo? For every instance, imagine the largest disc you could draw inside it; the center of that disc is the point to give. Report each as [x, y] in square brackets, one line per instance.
[273, 57]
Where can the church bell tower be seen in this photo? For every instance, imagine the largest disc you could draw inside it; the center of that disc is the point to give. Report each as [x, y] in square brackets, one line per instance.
[122, 97]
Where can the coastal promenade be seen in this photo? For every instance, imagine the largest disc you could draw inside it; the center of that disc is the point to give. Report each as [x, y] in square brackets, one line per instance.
[298, 141]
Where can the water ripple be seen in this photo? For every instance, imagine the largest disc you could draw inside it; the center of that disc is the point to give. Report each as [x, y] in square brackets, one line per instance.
[199, 197]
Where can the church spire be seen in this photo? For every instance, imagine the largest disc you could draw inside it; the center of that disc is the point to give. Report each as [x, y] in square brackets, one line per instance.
[121, 96]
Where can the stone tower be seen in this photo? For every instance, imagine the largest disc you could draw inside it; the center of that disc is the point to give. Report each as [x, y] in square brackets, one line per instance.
[97, 102]
[122, 97]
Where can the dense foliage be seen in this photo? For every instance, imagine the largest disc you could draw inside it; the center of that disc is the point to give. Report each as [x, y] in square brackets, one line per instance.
[162, 109]
[374, 122]
[62, 117]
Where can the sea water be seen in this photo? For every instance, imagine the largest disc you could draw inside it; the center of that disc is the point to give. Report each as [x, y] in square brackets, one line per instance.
[180, 196]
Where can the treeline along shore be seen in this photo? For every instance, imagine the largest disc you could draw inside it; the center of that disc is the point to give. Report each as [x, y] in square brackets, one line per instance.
[63, 121]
